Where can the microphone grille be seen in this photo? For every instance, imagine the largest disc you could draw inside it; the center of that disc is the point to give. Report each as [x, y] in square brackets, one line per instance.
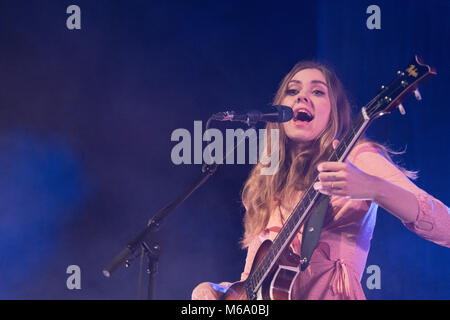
[285, 113]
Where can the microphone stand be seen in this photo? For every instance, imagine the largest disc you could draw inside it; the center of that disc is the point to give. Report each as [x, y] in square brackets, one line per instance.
[146, 238]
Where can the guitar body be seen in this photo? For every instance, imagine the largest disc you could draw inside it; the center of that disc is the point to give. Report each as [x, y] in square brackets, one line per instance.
[277, 284]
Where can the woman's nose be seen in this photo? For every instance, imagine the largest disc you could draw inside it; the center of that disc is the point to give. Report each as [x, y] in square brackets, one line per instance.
[302, 98]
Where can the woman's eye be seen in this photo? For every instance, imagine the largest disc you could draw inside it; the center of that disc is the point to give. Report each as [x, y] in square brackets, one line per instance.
[291, 92]
[318, 92]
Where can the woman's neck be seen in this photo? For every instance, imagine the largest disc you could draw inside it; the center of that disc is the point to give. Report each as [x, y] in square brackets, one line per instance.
[295, 148]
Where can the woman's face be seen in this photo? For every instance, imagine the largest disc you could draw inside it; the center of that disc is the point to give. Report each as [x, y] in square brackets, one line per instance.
[307, 95]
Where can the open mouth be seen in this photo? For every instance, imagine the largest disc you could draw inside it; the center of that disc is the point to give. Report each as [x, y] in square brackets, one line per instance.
[304, 116]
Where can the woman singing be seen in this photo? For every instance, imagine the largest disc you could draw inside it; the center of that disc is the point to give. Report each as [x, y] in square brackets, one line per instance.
[366, 180]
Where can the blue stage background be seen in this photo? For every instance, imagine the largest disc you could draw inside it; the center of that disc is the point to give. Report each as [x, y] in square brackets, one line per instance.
[86, 118]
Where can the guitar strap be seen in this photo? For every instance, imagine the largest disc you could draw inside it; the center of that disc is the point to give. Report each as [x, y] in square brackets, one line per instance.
[313, 229]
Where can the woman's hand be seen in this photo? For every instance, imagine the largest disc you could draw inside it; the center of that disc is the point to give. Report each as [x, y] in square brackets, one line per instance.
[345, 180]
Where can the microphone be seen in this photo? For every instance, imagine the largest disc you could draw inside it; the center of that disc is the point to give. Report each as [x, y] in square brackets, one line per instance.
[279, 114]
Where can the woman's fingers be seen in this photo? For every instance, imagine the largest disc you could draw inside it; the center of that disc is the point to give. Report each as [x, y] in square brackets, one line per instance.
[331, 186]
[335, 143]
[332, 176]
[331, 166]
[343, 179]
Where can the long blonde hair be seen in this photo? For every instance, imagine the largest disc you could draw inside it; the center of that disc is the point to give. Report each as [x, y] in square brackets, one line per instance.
[261, 194]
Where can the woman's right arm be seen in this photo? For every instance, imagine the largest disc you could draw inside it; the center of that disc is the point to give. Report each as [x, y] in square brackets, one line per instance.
[251, 253]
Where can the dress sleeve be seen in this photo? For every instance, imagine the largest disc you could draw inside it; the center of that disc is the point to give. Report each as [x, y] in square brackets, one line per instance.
[433, 219]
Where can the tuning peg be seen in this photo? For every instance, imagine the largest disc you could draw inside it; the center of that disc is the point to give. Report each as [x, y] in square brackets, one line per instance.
[401, 109]
[417, 94]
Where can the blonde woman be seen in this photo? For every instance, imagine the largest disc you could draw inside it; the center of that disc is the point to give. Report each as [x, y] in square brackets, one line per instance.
[366, 180]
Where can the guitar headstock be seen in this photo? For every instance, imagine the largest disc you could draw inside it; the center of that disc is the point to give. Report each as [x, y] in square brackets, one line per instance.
[407, 81]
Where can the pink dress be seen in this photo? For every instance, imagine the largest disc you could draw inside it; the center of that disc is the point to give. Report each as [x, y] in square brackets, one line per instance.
[339, 260]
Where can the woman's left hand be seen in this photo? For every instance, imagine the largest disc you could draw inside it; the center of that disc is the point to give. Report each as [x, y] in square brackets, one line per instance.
[345, 180]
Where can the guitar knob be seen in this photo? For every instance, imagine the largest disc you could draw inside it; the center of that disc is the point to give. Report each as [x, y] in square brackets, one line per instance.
[417, 94]
[401, 109]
